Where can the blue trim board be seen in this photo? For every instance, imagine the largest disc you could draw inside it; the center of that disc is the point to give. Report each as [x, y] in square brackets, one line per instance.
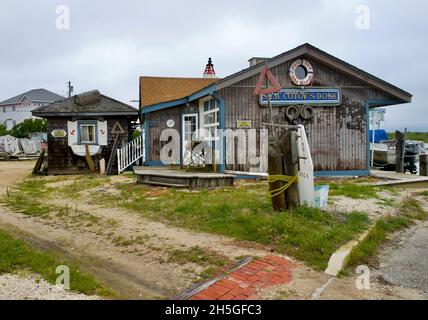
[164, 105]
[154, 164]
[222, 146]
[356, 173]
[146, 140]
[208, 91]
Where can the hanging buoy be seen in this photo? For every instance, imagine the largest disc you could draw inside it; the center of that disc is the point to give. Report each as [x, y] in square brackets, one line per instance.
[306, 112]
[292, 113]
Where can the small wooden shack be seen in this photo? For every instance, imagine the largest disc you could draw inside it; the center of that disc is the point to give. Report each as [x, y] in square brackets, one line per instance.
[330, 97]
[86, 124]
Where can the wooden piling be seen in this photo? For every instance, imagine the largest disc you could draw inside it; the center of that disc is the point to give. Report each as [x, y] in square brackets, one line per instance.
[400, 151]
[423, 165]
[275, 164]
[291, 167]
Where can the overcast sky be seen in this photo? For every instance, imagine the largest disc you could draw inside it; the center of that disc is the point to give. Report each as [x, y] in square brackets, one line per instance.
[111, 43]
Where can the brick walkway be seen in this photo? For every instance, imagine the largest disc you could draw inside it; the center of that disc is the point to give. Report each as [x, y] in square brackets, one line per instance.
[244, 283]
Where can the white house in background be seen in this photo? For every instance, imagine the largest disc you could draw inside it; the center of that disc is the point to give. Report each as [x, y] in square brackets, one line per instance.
[17, 109]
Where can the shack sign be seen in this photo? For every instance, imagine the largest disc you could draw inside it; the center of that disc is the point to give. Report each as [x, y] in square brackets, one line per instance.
[59, 133]
[307, 96]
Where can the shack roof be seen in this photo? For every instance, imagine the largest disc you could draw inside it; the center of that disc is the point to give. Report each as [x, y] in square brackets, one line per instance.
[91, 103]
[306, 50]
[154, 90]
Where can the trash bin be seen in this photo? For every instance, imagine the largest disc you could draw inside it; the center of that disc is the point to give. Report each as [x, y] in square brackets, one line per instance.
[321, 196]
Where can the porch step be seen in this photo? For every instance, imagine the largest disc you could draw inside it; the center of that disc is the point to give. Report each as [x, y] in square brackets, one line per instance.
[182, 179]
[165, 184]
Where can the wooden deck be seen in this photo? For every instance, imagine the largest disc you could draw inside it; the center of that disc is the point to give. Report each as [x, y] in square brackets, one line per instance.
[391, 178]
[167, 177]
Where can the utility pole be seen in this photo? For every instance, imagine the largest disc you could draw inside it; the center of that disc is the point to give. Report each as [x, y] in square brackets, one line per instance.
[70, 89]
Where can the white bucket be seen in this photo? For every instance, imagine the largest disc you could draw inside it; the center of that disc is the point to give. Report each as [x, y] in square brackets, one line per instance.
[321, 196]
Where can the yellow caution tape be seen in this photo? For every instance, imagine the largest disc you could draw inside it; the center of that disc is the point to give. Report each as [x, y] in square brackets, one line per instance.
[287, 179]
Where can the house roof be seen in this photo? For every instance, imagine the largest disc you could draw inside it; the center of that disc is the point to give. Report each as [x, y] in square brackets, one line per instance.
[91, 103]
[307, 49]
[154, 90]
[38, 95]
[174, 92]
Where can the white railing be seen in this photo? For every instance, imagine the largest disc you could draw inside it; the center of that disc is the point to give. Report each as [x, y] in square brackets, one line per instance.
[131, 153]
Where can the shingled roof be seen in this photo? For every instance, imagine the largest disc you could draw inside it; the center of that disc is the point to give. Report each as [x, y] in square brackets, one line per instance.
[37, 95]
[154, 90]
[91, 103]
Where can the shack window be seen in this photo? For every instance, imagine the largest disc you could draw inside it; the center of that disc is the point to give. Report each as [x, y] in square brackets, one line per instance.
[210, 123]
[87, 133]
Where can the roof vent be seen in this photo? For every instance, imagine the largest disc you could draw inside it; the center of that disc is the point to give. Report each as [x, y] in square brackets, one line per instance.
[86, 98]
[256, 60]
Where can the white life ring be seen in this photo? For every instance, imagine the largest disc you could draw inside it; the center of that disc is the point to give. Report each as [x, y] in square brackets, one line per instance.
[309, 72]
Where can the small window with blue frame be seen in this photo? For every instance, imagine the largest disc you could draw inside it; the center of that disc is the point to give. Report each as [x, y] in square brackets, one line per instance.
[87, 132]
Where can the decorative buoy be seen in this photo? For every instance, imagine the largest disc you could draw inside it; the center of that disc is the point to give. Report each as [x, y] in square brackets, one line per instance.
[301, 72]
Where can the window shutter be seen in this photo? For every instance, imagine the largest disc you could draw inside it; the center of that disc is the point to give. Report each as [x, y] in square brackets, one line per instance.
[72, 133]
[102, 133]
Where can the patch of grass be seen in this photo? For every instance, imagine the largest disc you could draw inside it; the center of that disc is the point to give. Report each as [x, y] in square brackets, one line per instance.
[198, 256]
[308, 234]
[17, 256]
[81, 184]
[123, 242]
[25, 204]
[418, 136]
[424, 194]
[410, 211]
[354, 190]
[27, 197]
[387, 202]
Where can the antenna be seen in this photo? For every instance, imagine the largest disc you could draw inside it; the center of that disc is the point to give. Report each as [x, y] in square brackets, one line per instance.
[70, 89]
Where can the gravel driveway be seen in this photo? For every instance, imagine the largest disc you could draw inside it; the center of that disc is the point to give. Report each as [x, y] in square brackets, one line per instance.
[406, 263]
[13, 287]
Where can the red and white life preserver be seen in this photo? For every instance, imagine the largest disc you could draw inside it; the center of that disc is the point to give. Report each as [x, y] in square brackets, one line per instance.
[309, 72]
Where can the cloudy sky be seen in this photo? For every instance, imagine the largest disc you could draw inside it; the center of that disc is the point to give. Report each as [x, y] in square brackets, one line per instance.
[111, 43]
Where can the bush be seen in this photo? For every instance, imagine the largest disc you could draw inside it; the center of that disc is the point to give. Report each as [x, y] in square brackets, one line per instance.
[3, 130]
[23, 129]
[135, 134]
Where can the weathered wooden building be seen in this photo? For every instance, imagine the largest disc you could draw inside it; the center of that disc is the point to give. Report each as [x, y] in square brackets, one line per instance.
[87, 122]
[330, 97]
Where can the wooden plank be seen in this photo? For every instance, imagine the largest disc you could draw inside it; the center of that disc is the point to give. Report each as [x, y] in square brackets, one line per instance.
[112, 156]
[89, 160]
[39, 163]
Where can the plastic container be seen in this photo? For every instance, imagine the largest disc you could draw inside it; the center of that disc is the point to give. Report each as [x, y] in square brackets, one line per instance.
[321, 196]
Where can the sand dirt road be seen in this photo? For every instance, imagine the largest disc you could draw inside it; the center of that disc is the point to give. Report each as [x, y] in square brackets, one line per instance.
[141, 269]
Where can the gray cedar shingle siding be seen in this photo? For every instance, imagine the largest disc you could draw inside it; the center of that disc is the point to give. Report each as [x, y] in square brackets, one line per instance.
[38, 95]
[88, 106]
[61, 159]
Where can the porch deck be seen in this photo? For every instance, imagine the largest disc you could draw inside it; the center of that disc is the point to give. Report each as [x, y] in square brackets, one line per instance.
[177, 178]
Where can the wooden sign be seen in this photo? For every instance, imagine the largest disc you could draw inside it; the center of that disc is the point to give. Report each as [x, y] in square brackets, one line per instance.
[266, 73]
[117, 129]
[244, 124]
[308, 96]
[59, 133]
